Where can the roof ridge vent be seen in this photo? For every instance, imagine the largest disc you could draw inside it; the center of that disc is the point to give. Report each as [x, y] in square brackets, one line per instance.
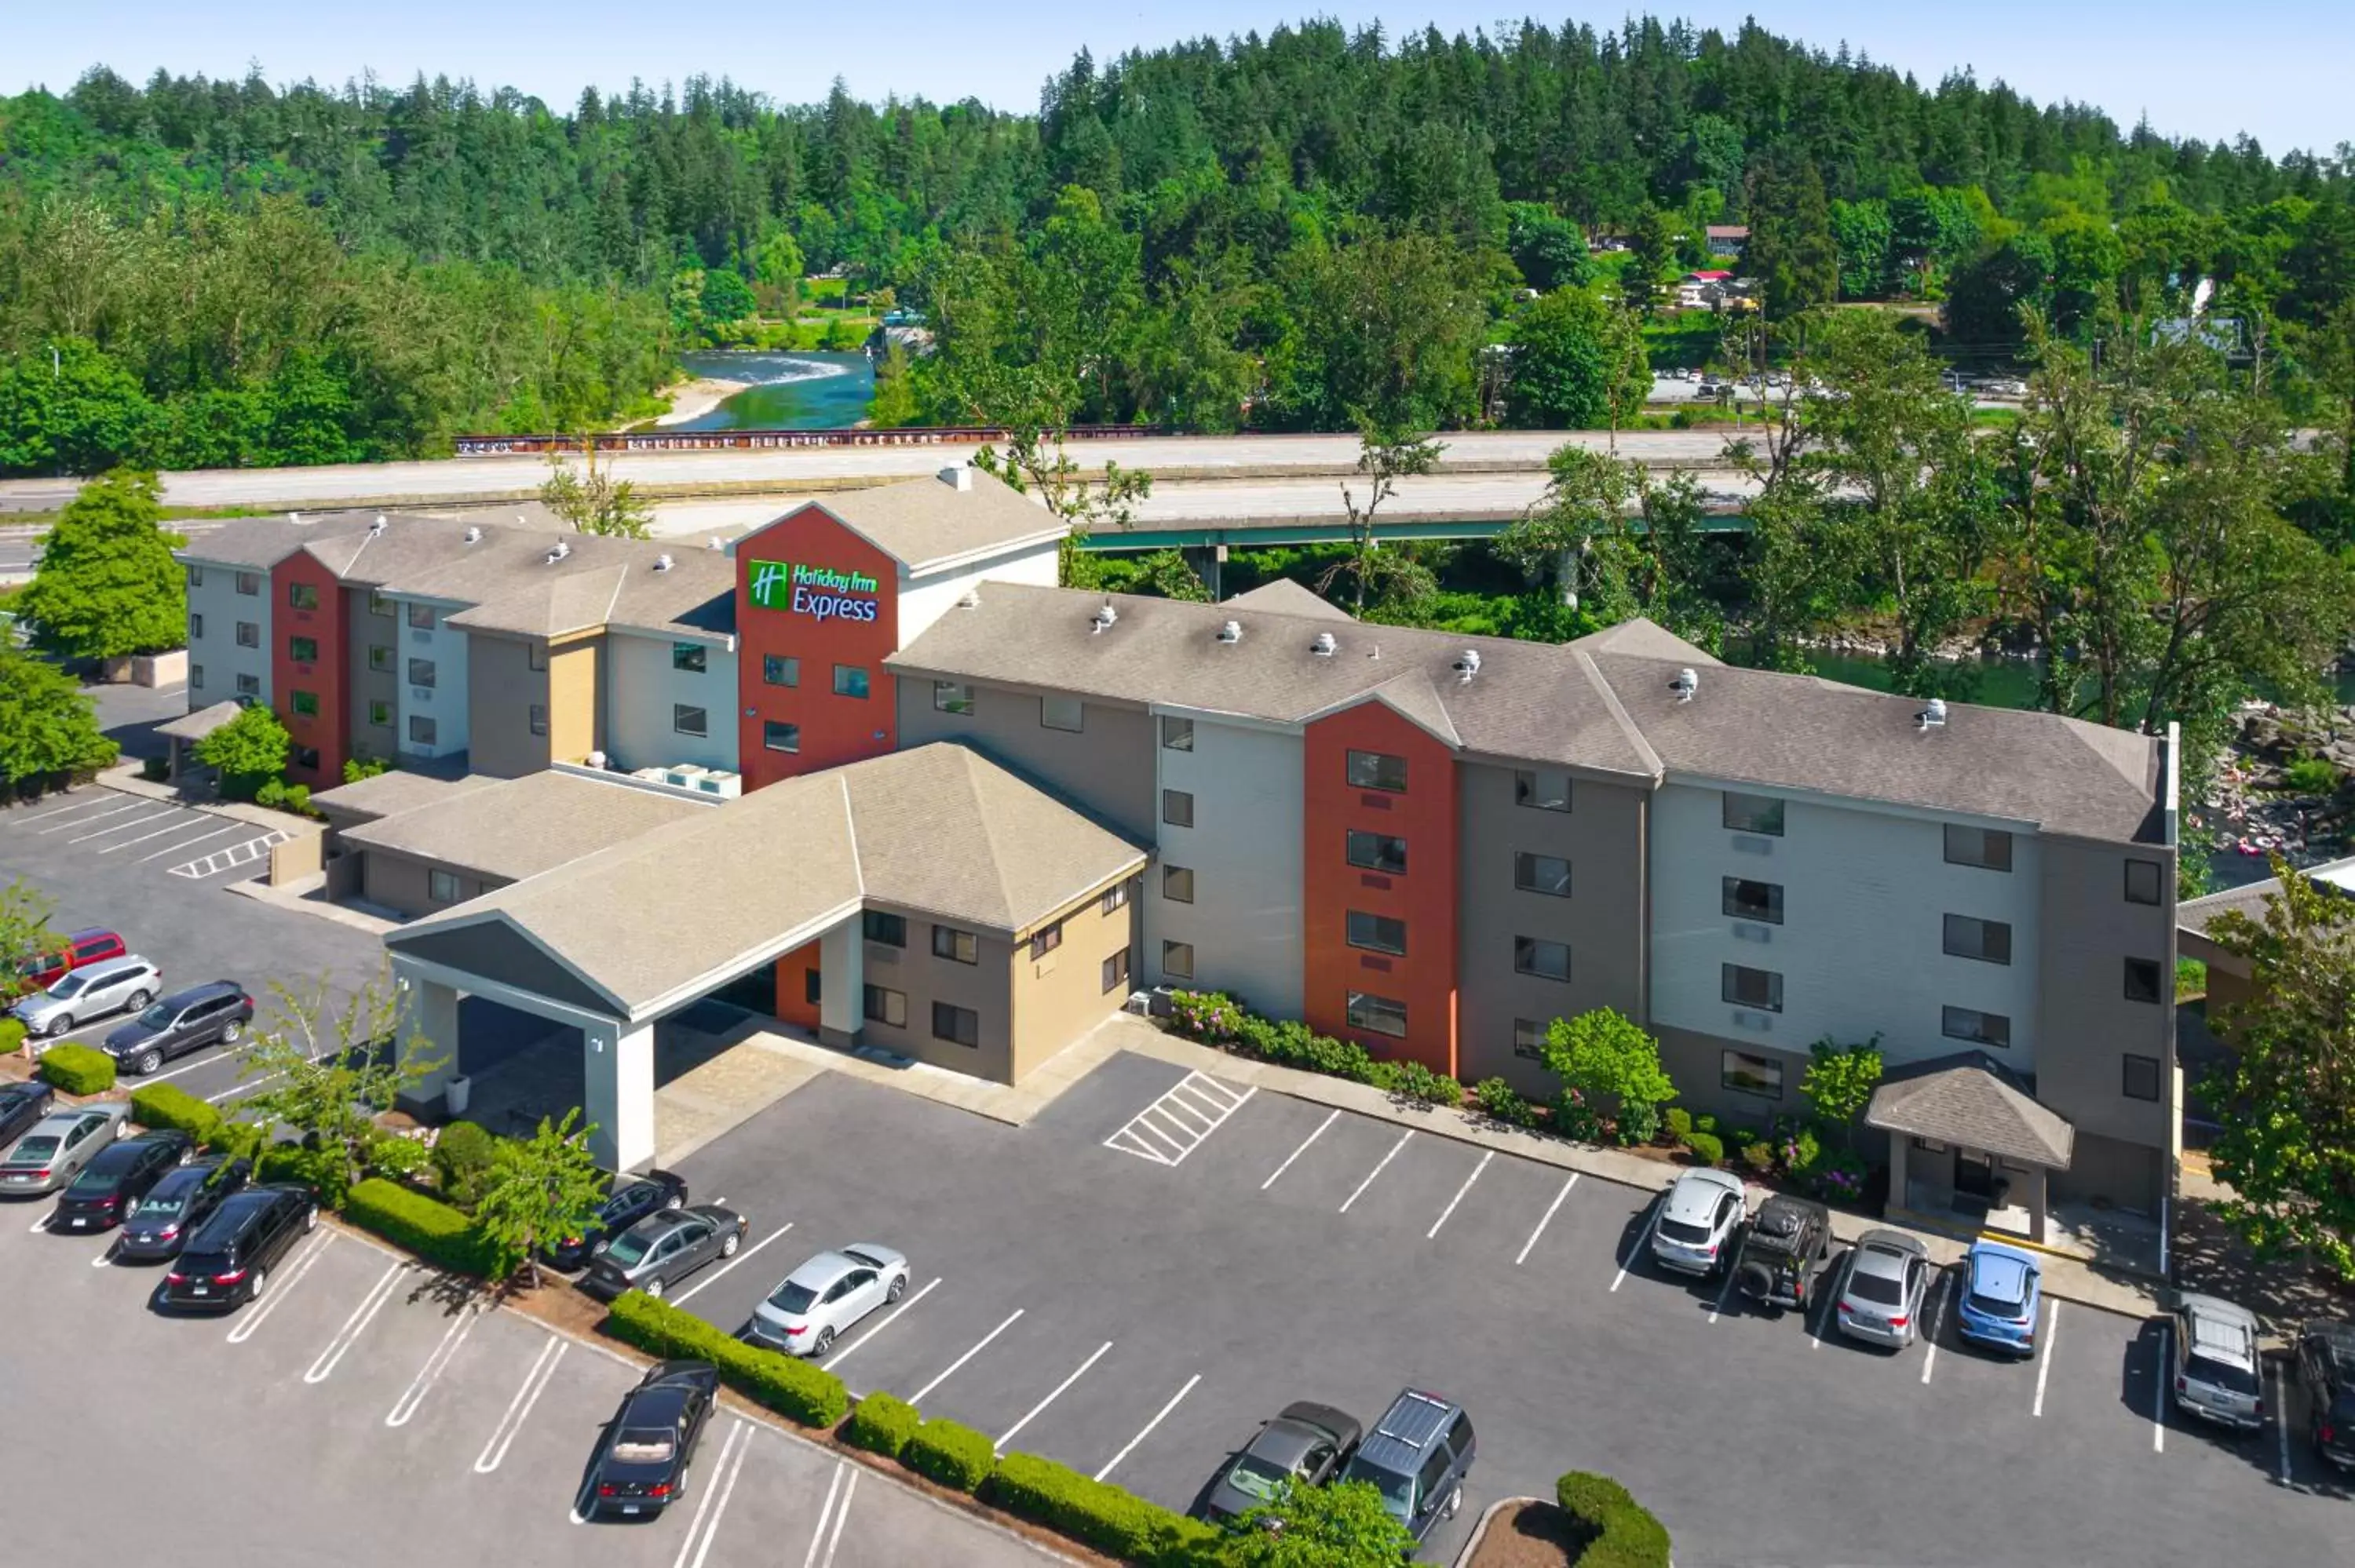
[1687, 682]
[563, 547]
[662, 562]
[1103, 619]
[1932, 716]
[1232, 631]
[472, 535]
[1323, 645]
[1467, 664]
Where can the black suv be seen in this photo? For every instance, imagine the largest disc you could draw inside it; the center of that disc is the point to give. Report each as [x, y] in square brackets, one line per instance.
[230, 1259]
[176, 1206]
[1786, 1239]
[185, 1021]
[628, 1200]
[1417, 1457]
[117, 1176]
[2326, 1364]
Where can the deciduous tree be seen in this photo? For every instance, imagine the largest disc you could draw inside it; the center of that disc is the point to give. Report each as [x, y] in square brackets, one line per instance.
[1613, 1065]
[107, 586]
[540, 1190]
[1344, 1525]
[592, 499]
[1839, 1082]
[249, 750]
[49, 729]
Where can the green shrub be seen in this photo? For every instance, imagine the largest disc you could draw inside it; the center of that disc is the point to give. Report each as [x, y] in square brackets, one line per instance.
[1681, 1124]
[155, 768]
[397, 1159]
[170, 1107]
[1420, 1083]
[786, 1385]
[12, 1032]
[237, 1139]
[462, 1159]
[1706, 1148]
[1383, 1075]
[1207, 1015]
[2310, 775]
[272, 793]
[432, 1230]
[1638, 1121]
[953, 1454]
[1095, 1513]
[298, 798]
[1759, 1156]
[77, 1069]
[1800, 1151]
[323, 1171]
[1703, 1123]
[1625, 1533]
[881, 1424]
[1500, 1101]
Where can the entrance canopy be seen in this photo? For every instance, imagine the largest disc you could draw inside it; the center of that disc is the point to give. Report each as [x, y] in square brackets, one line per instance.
[1971, 1101]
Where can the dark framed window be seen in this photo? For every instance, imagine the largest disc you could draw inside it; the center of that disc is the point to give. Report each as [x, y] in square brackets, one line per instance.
[1046, 939]
[442, 886]
[688, 719]
[813, 986]
[1542, 788]
[421, 616]
[1116, 897]
[1753, 814]
[535, 655]
[1177, 808]
[1115, 970]
[302, 596]
[691, 657]
[248, 634]
[1377, 851]
[196, 625]
[307, 758]
[422, 730]
[1745, 1074]
[1063, 712]
[196, 677]
[1967, 937]
[1375, 1014]
[1978, 1028]
[302, 650]
[960, 946]
[537, 715]
[1546, 873]
[421, 672]
[2141, 1078]
[1176, 734]
[1546, 960]
[305, 703]
[891, 930]
[850, 681]
[780, 670]
[1989, 849]
[379, 604]
[1178, 960]
[1377, 933]
[380, 658]
[381, 714]
[1177, 883]
[776, 736]
[1377, 770]
[2145, 882]
[1528, 1039]
[957, 1025]
[1744, 987]
[953, 696]
[1748, 900]
[2142, 980]
[197, 577]
[881, 1004]
[249, 583]
[248, 685]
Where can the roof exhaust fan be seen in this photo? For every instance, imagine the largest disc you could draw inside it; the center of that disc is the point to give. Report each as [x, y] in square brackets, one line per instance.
[1932, 716]
[1324, 646]
[1686, 684]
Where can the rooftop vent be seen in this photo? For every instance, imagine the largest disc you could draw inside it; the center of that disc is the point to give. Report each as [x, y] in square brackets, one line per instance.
[1932, 716]
[378, 526]
[293, 517]
[1687, 682]
[957, 476]
[1467, 664]
[970, 599]
[1232, 631]
[563, 548]
[662, 562]
[473, 535]
[1323, 645]
[716, 543]
[1103, 619]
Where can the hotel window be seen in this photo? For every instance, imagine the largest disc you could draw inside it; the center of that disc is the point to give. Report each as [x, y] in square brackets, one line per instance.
[248, 634]
[421, 616]
[248, 685]
[196, 626]
[813, 987]
[421, 672]
[1375, 1014]
[537, 715]
[1116, 897]
[1989, 849]
[1062, 712]
[535, 655]
[953, 696]
[691, 657]
[1178, 960]
[442, 886]
[381, 714]
[1375, 933]
[1761, 989]
[302, 596]
[1747, 1074]
[1545, 873]
[1377, 851]
[777, 670]
[1177, 883]
[1546, 960]
[2145, 881]
[957, 1025]
[1115, 970]
[379, 604]
[850, 681]
[1528, 1039]
[196, 677]
[957, 946]
[305, 704]
[306, 757]
[249, 582]
[380, 660]
[302, 650]
[891, 930]
[688, 719]
[881, 1004]
[1978, 1028]
[1177, 808]
[1753, 814]
[1176, 734]
[777, 736]
[196, 577]
[2141, 1078]
[422, 730]
[1747, 900]
[1988, 941]
[2142, 980]
[1043, 942]
[1542, 788]
[1377, 770]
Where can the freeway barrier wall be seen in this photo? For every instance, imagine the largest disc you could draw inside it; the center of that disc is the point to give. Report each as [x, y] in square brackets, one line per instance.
[662, 440]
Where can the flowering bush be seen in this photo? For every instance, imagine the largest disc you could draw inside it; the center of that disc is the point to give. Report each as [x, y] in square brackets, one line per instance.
[1838, 1178]
[1212, 1017]
[1574, 1119]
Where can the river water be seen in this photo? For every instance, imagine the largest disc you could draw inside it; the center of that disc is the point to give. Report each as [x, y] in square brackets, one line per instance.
[802, 390]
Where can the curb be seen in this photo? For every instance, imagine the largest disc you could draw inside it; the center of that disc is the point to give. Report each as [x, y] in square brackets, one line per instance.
[1487, 1517]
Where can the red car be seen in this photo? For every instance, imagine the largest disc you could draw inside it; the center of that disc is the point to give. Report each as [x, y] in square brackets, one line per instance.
[43, 970]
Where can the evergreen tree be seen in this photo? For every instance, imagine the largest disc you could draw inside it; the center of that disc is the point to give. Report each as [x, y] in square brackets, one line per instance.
[1791, 251]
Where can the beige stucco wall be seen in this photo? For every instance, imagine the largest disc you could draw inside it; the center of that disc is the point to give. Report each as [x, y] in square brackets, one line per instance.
[983, 986]
[1106, 767]
[501, 688]
[1062, 996]
[399, 883]
[576, 719]
[364, 630]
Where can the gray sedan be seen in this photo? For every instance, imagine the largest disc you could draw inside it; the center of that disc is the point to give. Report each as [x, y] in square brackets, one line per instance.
[1304, 1447]
[663, 1249]
[54, 1152]
[826, 1295]
[1881, 1300]
[98, 990]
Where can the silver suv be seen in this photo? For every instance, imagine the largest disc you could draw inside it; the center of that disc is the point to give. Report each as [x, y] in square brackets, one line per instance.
[97, 990]
[2217, 1374]
[1695, 1233]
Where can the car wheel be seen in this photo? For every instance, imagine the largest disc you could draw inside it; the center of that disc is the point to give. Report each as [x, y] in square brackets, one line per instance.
[261, 1284]
[899, 1288]
[653, 1288]
[311, 1218]
[1455, 1501]
[825, 1342]
[676, 1200]
[233, 1033]
[58, 1024]
[729, 1243]
[147, 1063]
[137, 1002]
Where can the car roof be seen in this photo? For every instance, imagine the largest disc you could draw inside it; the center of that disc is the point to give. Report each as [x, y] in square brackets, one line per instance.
[658, 1223]
[2340, 1337]
[2219, 1328]
[2001, 1269]
[200, 992]
[1893, 1241]
[1696, 1192]
[124, 964]
[1883, 1261]
[820, 1270]
[1406, 1431]
[1284, 1441]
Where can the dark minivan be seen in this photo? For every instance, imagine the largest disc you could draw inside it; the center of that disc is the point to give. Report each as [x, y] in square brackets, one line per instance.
[186, 1020]
[1417, 1457]
[229, 1260]
[178, 1206]
[116, 1178]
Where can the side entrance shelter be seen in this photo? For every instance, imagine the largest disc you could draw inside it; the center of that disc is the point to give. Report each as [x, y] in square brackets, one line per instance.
[1966, 1138]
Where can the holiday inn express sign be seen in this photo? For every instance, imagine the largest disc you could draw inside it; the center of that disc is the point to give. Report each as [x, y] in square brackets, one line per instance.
[820, 592]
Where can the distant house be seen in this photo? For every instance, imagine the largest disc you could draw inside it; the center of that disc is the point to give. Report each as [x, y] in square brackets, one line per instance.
[1702, 290]
[1727, 239]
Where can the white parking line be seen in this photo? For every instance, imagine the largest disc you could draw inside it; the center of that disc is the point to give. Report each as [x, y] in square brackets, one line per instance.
[180, 826]
[245, 852]
[825, 1513]
[689, 1294]
[186, 843]
[1196, 1098]
[535, 1384]
[452, 1337]
[43, 1223]
[61, 810]
[125, 827]
[834, 1364]
[1296, 1153]
[2281, 1423]
[716, 1499]
[1937, 1317]
[1643, 1241]
[104, 1258]
[2044, 1356]
[2159, 1396]
[354, 1326]
[841, 1518]
[917, 1397]
[254, 1319]
[1376, 1171]
[1056, 1393]
[1459, 1195]
[1717, 1308]
[98, 817]
[1823, 1329]
[1546, 1221]
[1157, 1418]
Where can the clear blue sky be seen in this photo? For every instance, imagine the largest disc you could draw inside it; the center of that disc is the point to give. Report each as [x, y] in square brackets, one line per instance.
[2274, 69]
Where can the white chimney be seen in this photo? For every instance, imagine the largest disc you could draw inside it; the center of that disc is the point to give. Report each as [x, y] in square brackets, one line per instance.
[957, 476]
[1103, 619]
[969, 600]
[1323, 645]
[1687, 682]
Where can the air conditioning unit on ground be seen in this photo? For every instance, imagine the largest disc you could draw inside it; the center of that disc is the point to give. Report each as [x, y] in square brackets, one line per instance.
[687, 776]
[720, 782]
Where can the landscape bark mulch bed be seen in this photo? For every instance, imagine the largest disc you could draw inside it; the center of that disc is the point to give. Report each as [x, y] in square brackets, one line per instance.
[1531, 1534]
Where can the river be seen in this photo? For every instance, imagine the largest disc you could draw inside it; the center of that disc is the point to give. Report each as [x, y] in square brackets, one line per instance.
[802, 390]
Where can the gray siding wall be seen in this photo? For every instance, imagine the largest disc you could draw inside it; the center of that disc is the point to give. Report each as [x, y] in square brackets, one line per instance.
[1244, 850]
[396, 882]
[1106, 766]
[367, 630]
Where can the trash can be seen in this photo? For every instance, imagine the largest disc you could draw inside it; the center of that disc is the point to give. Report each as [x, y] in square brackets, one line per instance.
[454, 1098]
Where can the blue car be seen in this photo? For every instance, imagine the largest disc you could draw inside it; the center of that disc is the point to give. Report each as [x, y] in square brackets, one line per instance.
[2001, 1287]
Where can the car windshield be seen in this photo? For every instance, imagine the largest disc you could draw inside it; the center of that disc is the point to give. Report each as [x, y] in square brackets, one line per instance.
[1256, 1478]
[1877, 1287]
[72, 985]
[1397, 1491]
[33, 1150]
[156, 1017]
[2220, 1374]
[626, 1248]
[1683, 1231]
[792, 1297]
[644, 1446]
[96, 1178]
[152, 1207]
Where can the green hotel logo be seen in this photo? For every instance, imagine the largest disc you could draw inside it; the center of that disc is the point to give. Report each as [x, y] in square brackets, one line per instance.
[819, 592]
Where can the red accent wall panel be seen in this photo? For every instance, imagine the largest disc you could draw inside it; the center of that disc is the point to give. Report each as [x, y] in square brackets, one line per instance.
[1423, 897]
[809, 589]
[307, 617]
[794, 971]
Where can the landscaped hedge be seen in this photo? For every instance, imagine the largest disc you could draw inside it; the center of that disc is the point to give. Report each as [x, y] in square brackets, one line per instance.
[77, 1069]
[1096, 1513]
[1626, 1535]
[1706, 1147]
[950, 1453]
[786, 1385]
[170, 1107]
[12, 1034]
[462, 1158]
[881, 1424]
[432, 1230]
[1217, 1018]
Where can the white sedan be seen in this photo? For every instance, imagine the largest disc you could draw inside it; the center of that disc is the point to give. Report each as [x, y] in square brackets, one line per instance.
[816, 1302]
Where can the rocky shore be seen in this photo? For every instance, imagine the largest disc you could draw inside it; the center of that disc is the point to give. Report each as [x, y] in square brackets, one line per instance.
[2286, 787]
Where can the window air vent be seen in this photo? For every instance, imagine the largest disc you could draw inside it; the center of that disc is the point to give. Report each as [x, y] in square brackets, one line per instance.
[1758, 1022]
[1748, 844]
[1747, 932]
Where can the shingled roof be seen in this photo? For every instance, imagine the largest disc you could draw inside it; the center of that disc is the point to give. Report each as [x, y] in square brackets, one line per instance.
[1967, 1098]
[924, 524]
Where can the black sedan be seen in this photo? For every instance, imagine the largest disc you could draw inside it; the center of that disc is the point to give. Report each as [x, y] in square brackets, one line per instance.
[663, 1249]
[1305, 1446]
[640, 1467]
[22, 1105]
[629, 1199]
[176, 1206]
[116, 1178]
[228, 1259]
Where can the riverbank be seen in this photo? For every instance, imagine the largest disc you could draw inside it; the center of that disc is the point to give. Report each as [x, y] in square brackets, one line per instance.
[692, 399]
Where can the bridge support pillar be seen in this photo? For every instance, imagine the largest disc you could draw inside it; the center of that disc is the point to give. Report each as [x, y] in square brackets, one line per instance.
[1207, 561]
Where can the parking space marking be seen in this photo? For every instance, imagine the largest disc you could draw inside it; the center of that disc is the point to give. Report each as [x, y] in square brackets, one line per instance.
[354, 1326]
[1643, 1241]
[42, 1223]
[917, 1397]
[843, 1483]
[535, 1384]
[2158, 1398]
[120, 827]
[104, 1258]
[1055, 1394]
[186, 843]
[179, 826]
[114, 810]
[2044, 1356]
[254, 1319]
[245, 852]
[684, 1296]
[1377, 1170]
[1433, 1231]
[1158, 1417]
[1546, 1221]
[452, 1337]
[1296, 1153]
[1196, 1098]
[841, 1518]
[2281, 1423]
[844, 1354]
[1831, 1310]
[61, 810]
[731, 1464]
[1717, 1308]
[1937, 1317]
